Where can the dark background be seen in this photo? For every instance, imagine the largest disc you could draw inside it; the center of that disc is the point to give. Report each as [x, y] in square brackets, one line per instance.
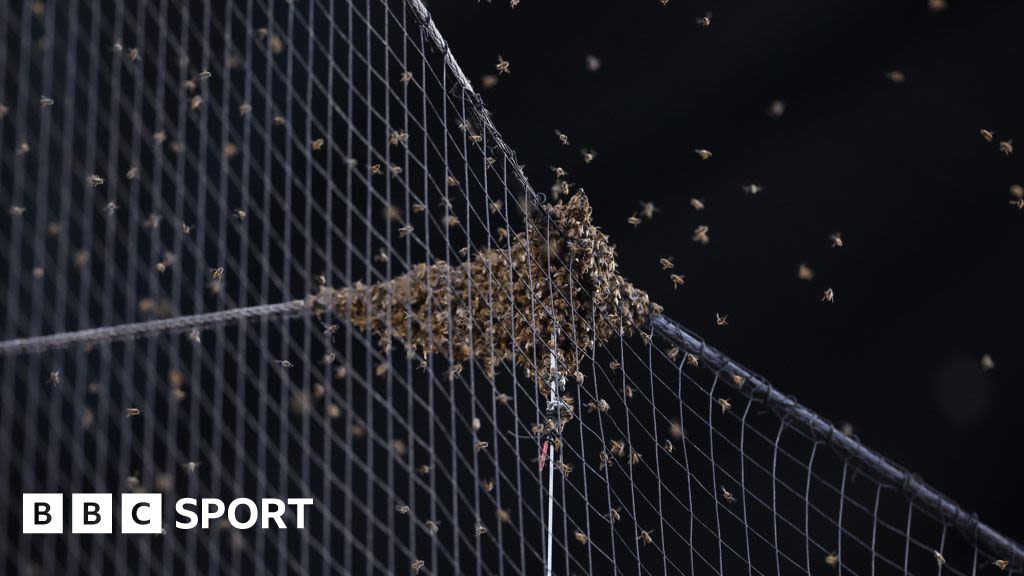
[930, 276]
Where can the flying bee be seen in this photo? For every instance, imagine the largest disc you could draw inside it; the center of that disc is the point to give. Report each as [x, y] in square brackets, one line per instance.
[896, 76]
[417, 566]
[376, 170]
[480, 529]
[677, 280]
[186, 229]
[196, 102]
[317, 144]
[95, 180]
[54, 377]
[705, 20]
[601, 405]
[804, 272]
[502, 398]
[581, 537]
[697, 204]
[405, 77]
[562, 137]
[381, 256]
[328, 358]
[700, 235]
[241, 214]
[666, 263]
[588, 155]
[634, 220]
[503, 516]
[217, 273]
[564, 467]
[988, 135]
[403, 509]
[1019, 203]
[831, 559]
[645, 535]
[987, 363]
[776, 109]
[16, 210]
[1006, 147]
[45, 101]
[405, 231]
[487, 485]
[480, 445]
[617, 448]
[613, 515]
[503, 66]
[721, 319]
[702, 153]
[132, 412]
[279, 120]
[205, 75]
[829, 296]
[110, 208]
[725, 404]
[244, 108]
[330, 329]
[423, 470]
[1001, 564]
[647, 210]
[399, 137]
[614, 365]
[837, 240]
[727, 496]
[284, 363]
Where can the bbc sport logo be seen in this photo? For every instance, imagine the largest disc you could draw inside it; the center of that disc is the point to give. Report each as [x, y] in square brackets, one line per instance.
[43, 513]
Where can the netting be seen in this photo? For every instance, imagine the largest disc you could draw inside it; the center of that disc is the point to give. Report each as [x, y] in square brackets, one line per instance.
[279, 250]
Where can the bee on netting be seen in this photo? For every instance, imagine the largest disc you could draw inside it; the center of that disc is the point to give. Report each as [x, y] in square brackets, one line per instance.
[132, 173]
[677, 280]
[317, 144]
[45, 101]
[613, 515]
[673, 353]
[503, 516]
[16, 210]
[828, 296]
[54, 377]
[564, 467]
[190, 85]
[479, 445]
[562, 137]
[452, 181]
[503, 66]
[376, 170]
[726, 404]
[502, 234]
[581, 537]
[1006, 147]
[95, 180]
[896, 76]
[837, 240]
[487, 485]
[132, 412]
[330, 329]
[647, 337]
[645, 535]
[402, 509]
[244, 108]
[617, 448]
[614, 365]
[602, 460]
[738, 380]
[831, 559]
[988, 135]
[701, 236]
[721, 319]
[423, 470]
[727, 496]
[399, 137]
[702, 153]
[133, 55]
[667, 446]
[939, 558]
[328, 358]
[697, 204]
[705, 20]
[405, 77]
[167, 262]
[186, 229]
[804, 272]
[647, 210]
[601, 405]
[480, 529]
[588, 155]
[190, 467]
[417, 566]
[433, 526]
[634, 457]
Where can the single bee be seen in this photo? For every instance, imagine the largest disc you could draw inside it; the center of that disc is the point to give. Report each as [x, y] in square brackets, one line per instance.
[190, 467]
[633, 220]
[705, 20]
[1006, 147]
[45, 101]
[503, 66]
[132, 412]
[581, 537]
[647, 209]
[677, 280]
[417, 566]
[829, 296]
[837, 240]
[988, 135]
[697, 204]
[725, 404]
[896, 76]
[285, 363]
[402, 509]
[666, 263]
[727, 496]
[433, 526]
[645, 535]
[588, 155]
[721, 319]
[405, 77]
[317, 144]
[804, 272]
[702, 153]
[95, 180]
[562, 138]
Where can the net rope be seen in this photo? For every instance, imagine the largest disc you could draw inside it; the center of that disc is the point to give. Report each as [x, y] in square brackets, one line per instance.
[213, 211]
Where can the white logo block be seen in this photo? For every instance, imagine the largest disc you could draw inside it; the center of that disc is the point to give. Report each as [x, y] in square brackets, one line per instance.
[92, 513]
[141, 513]
[42, 513]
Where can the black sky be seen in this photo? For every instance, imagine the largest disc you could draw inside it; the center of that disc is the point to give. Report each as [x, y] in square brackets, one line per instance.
[929, 278]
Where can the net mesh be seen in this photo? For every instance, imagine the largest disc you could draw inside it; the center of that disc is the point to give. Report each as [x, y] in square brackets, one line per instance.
[279, 250]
